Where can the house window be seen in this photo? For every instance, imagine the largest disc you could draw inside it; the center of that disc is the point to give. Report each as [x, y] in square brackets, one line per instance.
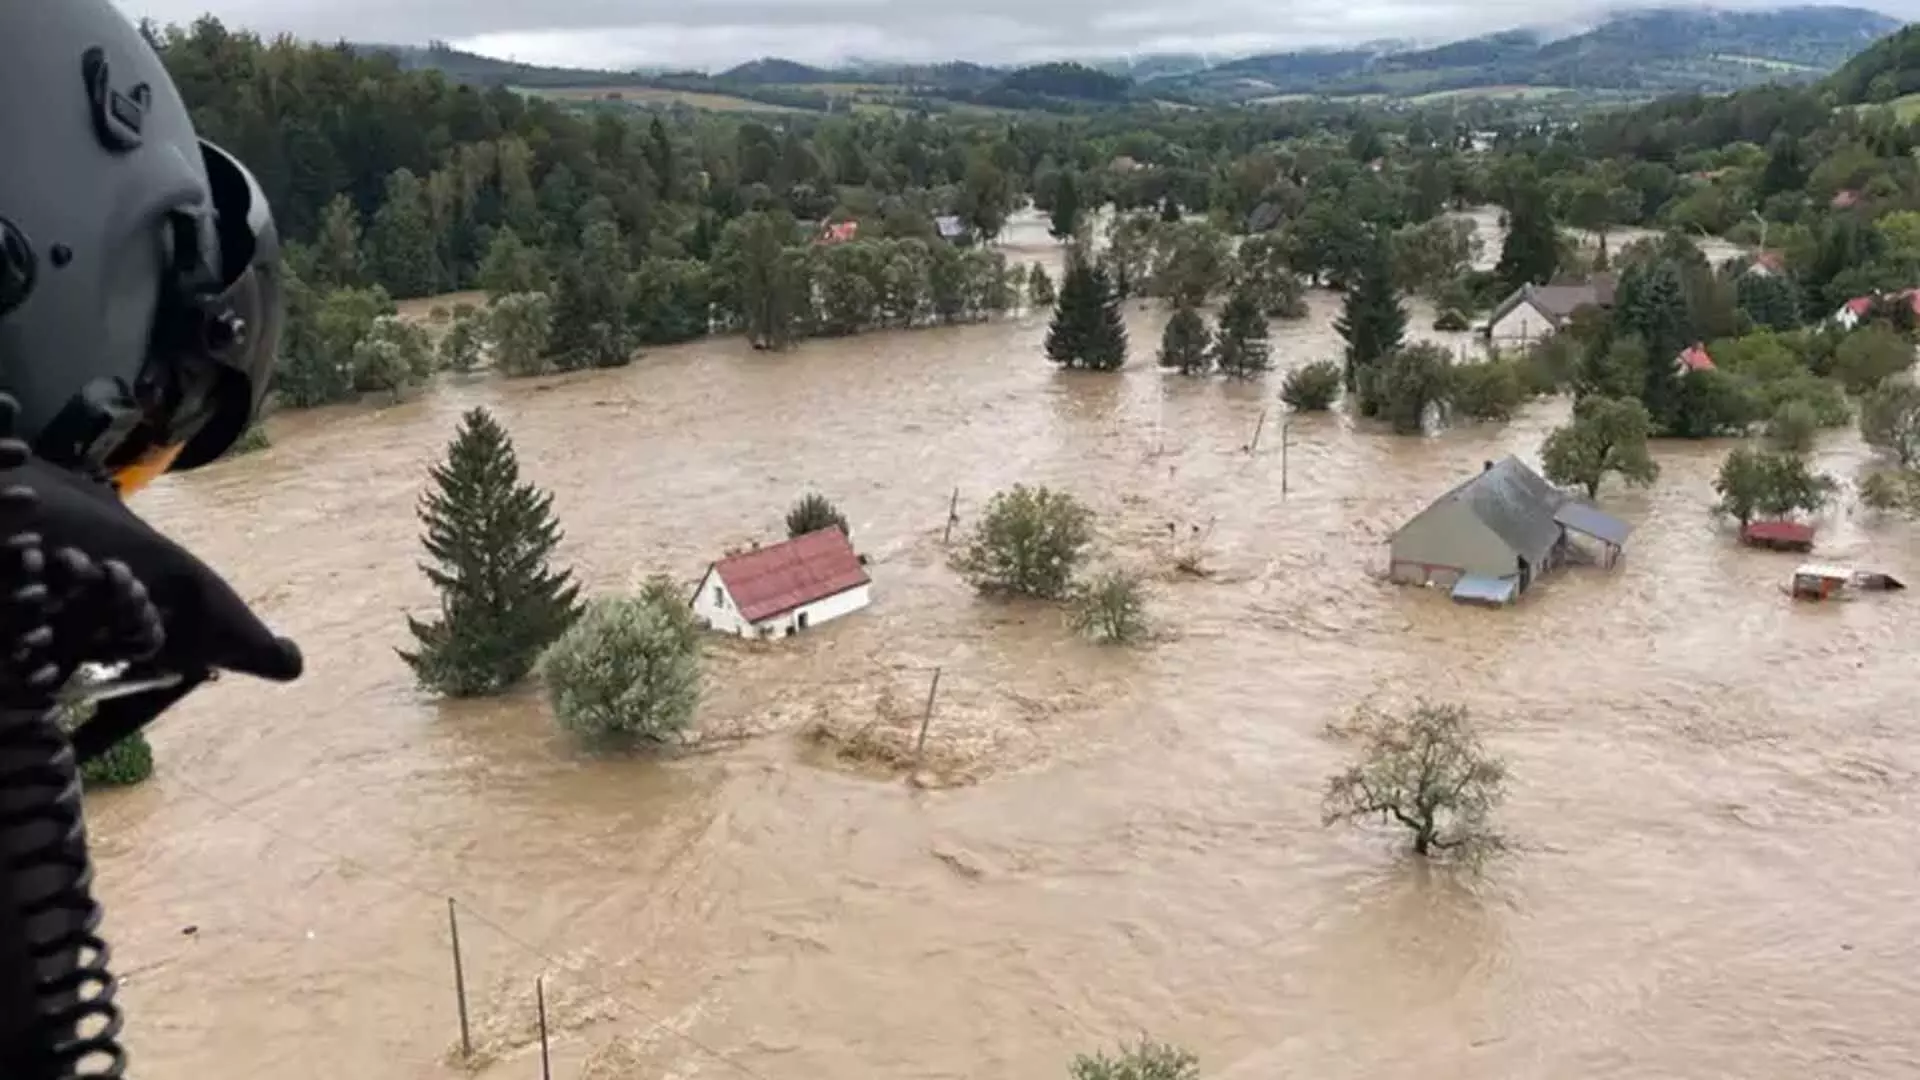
[719, 597]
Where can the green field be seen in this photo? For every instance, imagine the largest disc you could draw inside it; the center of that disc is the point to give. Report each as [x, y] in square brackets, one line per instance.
[653, 95]
[1905, 109]
[1763, 62]
[1492, 93]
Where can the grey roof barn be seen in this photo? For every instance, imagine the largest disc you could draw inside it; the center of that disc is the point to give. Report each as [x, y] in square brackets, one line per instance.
[1558, 302]
[1494, 531]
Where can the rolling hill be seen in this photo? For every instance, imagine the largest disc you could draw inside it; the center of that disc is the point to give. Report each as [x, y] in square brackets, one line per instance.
[1651, 51]
[1641, 53]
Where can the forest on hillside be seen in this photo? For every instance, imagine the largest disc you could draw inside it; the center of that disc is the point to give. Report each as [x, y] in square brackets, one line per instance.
[601, 232]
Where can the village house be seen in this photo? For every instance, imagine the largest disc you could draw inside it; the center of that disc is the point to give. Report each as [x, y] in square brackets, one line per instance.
[1854, 310]
[1537, 311]
[1693, 358]
[784, 588]
[1490, 538]
[951, 228]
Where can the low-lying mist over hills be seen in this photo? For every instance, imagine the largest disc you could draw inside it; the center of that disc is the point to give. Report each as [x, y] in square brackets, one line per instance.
[1637, 52]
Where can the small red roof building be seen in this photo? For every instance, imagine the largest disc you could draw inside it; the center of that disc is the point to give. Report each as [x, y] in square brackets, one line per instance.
[1843, 200]
[1780, 535]
[774, 580]
[839, 232]
[1695, 358]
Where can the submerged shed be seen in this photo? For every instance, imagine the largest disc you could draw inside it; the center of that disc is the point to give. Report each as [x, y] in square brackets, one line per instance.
[1610, 531]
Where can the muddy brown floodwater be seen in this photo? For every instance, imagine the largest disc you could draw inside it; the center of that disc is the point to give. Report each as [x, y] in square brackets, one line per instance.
[1713, 787]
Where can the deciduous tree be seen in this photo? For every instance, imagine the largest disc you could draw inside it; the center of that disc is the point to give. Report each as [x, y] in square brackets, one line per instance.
[1606, 435]
[1427, 772]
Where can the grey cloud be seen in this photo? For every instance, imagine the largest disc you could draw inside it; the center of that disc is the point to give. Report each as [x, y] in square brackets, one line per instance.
[713, 33]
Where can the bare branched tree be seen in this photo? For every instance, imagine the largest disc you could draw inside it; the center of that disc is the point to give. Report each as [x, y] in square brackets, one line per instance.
[1427, 771]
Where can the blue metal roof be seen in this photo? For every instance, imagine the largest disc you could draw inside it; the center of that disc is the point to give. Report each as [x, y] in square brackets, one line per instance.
[1485, 590]
[1585, 519]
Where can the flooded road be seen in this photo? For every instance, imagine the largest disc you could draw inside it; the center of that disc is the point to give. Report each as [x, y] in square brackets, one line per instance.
[1713, 789]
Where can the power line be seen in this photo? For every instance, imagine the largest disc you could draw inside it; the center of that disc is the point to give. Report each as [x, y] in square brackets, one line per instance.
[486, 920]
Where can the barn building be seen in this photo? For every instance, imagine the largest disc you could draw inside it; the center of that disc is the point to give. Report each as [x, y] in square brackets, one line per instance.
[1490, 538]
[784, 588]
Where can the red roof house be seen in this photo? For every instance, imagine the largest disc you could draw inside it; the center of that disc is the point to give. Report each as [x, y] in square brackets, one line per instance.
[1695, 358]
[839, 232]
[786, 587]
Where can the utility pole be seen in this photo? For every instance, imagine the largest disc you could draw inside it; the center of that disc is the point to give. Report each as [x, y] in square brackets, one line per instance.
[1286, 439]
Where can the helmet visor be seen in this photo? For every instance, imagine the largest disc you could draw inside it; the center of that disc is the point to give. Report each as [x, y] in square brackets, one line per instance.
[244, 338]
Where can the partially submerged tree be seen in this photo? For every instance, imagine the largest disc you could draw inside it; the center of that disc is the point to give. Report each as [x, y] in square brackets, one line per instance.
[520, 325]
[1606, 435]
[1426, 771]
[628, 668]
[1112, 608]
[1087, 331]
[1240, 344]
[1030, 542]
[491, 538]
[1039, 286]
[1400, 387]
[460, 346]
[1312, 387]
[812, 513]
[1144, 1060]
[1186, 343]
[1890, 420]
[1488, 390]
[1373, 322]
[1758, 483]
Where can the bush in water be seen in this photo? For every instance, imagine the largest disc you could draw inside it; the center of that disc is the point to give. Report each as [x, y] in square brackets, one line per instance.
[1029, 542]
[629, 669]
[1145, 1060]
[812, 513]
[1427, 771]
[1112, 608]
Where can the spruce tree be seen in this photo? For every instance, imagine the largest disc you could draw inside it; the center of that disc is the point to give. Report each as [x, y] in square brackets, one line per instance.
[1185, 343]
[1373, 322]
[1064, 217]
[490, 537]
[1087, 331]
[1531, 253]
[1240, 346]
[1652, 305]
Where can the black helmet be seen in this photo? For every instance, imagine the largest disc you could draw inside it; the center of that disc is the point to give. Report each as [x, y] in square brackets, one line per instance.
[140, 292]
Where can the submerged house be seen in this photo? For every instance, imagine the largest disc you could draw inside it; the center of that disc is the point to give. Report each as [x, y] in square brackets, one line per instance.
[1490, 538]
[1537, 311]
[784, 588]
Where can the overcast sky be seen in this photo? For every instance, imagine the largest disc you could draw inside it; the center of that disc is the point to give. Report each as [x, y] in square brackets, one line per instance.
[718, 33]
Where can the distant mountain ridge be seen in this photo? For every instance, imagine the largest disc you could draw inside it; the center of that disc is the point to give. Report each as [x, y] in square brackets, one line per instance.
[1649, 51]
[1654, 50]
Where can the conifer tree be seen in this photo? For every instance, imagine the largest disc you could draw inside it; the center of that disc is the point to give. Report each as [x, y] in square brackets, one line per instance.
[1087, 331]
[1531, 253]
[1240, 346]
[1064, 218]
[1039, 286]
[490, 537]
[1186, 342]
[1373, 322]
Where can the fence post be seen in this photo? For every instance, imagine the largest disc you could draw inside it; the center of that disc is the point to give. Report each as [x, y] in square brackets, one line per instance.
[953, 515]
[459, 982]
[920, 747]
[540, 996]
[1254, 445]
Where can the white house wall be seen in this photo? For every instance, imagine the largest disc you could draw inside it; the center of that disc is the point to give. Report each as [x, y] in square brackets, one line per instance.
[821, 611]
[1525, 323]
[714, 606]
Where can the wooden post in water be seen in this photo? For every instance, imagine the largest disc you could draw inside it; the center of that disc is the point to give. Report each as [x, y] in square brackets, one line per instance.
[920, 746]
[459, 982]
[1254, 445]
[540, 996]
[953, 515]
[1286, 437]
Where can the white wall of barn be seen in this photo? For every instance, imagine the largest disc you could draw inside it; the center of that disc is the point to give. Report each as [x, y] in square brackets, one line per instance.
[1524, 324]
[714, 606]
